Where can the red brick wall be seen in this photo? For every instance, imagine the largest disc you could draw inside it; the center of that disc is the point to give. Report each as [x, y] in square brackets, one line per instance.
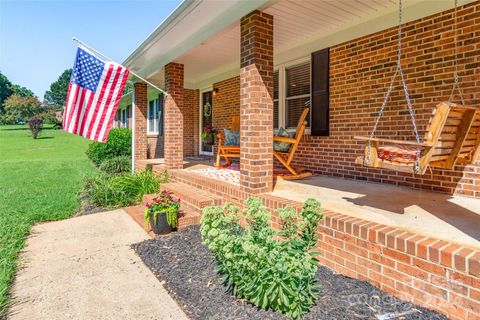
[359, 74]
[226, 103]
[430, 272]
[190, 123]
[256, 102]
[140, 121]
[154, 147]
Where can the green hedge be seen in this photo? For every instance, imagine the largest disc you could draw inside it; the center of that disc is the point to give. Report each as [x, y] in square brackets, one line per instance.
[119, 143]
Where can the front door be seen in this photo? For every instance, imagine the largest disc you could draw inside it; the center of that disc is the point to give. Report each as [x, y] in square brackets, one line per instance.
[206, 111]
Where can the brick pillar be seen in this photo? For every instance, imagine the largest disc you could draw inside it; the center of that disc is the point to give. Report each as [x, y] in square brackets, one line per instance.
[256, 102]
[174, 105]
[140, 120]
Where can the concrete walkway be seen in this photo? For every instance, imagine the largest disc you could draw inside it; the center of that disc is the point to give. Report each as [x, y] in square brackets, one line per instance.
[83, 268]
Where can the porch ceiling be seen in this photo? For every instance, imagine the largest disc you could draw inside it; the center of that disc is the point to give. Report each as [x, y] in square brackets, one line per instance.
[300, 27]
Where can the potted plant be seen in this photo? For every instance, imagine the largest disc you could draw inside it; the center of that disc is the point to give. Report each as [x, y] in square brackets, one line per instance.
[208, 135]
[162, 213]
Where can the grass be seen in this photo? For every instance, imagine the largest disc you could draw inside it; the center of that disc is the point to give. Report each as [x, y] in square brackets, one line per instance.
[39, 181]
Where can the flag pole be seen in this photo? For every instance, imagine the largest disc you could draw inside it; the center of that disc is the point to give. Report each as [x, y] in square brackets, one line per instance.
[104, 56]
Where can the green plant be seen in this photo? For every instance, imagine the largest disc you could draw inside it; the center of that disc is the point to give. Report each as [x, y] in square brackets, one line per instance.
[119, 143]
[116, 165]
[269, 268]
[165, 204]
[114, 191]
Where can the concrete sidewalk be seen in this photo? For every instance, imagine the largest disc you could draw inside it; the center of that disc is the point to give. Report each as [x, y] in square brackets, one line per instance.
[83, 268]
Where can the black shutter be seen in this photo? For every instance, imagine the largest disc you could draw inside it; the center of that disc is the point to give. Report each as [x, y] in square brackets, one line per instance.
[160, 114]
[320, 110]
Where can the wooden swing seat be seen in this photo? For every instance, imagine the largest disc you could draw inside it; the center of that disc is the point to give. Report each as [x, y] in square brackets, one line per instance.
[452, 137]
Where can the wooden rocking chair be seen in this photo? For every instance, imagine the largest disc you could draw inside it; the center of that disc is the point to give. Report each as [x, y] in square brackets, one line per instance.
[227, 152]
[286, 158]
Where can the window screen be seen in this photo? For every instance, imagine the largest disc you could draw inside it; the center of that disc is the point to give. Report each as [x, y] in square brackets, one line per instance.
[297, 93]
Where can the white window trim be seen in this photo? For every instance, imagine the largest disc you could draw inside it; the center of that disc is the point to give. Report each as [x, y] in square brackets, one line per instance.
[282, 90]
[155, 131]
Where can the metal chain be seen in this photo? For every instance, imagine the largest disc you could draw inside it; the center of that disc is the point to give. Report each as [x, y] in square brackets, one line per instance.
[389, 90]
[456, 82]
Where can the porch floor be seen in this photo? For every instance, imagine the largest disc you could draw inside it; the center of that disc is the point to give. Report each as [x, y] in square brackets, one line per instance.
[437, 215]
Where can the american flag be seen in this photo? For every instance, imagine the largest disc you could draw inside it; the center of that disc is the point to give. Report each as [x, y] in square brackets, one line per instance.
[94, 92]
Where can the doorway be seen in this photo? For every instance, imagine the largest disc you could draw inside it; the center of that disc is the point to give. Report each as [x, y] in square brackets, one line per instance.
[206, 117]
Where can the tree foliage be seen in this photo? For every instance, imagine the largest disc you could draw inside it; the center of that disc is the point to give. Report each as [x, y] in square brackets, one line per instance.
[57, 94]
[8, 89]
[17, 108]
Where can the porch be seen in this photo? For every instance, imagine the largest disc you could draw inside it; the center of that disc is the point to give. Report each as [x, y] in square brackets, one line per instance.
[430, 214]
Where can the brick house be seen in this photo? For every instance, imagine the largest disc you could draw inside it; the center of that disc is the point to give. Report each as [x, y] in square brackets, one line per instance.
[262, 61]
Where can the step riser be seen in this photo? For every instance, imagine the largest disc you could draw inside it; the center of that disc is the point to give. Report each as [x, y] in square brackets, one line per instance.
[194, 198]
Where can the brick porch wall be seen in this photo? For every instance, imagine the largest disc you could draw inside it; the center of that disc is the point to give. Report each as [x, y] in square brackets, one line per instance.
[226, 103]
[359, 74]
[430, 272]
[191, 123]
[154, 146]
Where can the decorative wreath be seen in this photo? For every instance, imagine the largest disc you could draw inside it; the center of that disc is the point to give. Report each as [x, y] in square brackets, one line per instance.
[207, 109]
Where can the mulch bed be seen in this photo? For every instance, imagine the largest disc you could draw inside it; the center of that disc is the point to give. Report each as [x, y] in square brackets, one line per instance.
[186, 268]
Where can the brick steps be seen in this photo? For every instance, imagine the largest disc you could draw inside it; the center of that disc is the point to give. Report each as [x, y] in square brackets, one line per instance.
[192, 198]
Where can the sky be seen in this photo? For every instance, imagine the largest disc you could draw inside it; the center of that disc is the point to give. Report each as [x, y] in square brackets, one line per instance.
[36, 36]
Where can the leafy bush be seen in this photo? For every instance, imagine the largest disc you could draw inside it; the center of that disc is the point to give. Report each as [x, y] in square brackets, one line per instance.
[116, 165]
[271, 269]
[115, 191]
[119, 143]
[36, 125]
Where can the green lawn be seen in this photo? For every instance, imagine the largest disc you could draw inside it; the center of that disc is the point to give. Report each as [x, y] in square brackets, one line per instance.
[39, 181]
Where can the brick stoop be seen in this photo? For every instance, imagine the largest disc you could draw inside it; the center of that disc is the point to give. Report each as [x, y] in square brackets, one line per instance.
[194, 198]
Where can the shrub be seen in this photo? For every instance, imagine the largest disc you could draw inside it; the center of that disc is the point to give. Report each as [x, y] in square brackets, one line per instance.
[119, 143]
[268, 268]
[117, 165]
[36, 125]
[115, 191]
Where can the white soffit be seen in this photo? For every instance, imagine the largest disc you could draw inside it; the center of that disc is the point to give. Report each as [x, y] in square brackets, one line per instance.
[211, 52]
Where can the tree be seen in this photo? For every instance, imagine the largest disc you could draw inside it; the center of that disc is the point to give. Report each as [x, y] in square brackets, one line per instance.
[5, 89]
[57, 94]
[21, 91]
[17, 108]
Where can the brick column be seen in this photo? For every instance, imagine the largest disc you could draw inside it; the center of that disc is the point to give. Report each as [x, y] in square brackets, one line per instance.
[140, 120]
[256, 102]
[174, 105]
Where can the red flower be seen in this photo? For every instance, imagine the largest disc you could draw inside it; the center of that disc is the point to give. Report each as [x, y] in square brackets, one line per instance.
[149, 205]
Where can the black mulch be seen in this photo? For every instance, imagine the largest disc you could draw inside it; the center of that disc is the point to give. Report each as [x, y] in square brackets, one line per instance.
[186, 267]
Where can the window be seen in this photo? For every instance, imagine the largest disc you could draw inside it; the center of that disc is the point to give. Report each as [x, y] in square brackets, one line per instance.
[291, 93]
[155, 116]
[297, 93]
[124, 117]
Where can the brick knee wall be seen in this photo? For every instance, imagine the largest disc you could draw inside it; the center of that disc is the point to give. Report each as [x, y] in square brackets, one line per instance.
[429, 272]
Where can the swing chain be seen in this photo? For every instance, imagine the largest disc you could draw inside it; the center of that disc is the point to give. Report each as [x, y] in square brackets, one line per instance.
[456, 82]
[387, 95]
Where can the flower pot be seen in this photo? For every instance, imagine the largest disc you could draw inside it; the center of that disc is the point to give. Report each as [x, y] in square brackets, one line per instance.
[162, 226]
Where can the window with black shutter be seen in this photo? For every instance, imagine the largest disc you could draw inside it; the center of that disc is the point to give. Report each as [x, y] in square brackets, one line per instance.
[320, 111]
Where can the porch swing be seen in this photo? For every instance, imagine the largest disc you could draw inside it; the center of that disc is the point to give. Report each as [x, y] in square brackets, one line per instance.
[452, 136]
